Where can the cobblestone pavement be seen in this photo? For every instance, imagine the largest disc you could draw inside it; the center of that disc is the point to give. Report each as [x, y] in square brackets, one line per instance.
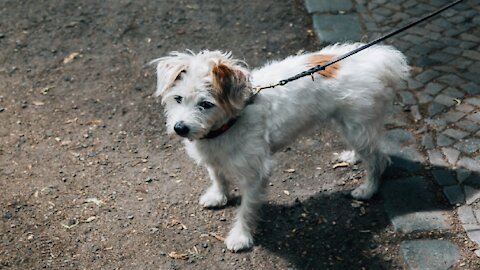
[434, 133]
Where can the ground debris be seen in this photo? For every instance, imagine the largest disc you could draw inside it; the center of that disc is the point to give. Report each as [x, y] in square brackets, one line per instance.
[69, 58]
[340, 164]
[217, 236]
[178, 256]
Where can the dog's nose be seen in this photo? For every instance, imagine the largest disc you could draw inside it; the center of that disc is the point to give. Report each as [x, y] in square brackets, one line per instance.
[181, 129]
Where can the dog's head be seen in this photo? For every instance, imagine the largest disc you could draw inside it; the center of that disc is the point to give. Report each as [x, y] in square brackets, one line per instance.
[201, 92]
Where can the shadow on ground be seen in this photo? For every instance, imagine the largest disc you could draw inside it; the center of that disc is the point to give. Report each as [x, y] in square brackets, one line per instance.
[311, 234]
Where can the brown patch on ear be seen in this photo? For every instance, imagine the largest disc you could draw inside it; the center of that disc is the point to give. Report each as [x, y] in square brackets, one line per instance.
[322, 59]
[228, 85]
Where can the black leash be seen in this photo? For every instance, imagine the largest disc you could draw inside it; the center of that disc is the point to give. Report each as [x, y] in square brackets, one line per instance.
[323, 67]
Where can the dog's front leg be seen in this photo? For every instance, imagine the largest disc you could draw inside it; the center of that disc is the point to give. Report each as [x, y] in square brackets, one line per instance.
[217, 194]
[240, 236]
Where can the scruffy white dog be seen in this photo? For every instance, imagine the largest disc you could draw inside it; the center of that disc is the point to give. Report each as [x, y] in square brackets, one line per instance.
[208, 101]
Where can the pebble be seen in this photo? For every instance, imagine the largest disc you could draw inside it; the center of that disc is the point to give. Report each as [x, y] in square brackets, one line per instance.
[2, 109]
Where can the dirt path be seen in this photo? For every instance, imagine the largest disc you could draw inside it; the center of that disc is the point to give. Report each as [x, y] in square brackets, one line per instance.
[91, 181]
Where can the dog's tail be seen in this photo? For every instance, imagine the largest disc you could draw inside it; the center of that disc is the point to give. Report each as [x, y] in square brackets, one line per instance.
[394, 66]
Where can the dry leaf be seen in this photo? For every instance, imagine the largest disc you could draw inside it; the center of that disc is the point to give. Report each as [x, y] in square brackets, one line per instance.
[286, 192]
[218, 237]
[341, 164]
[70, 57]
[94, 200]
[90, 219]
[178, 256]
[38, 103]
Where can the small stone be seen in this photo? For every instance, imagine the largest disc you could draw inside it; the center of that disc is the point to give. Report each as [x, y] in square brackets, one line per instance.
[416, 113]
[477, 252]
[130, 216]
[2, 109]
[8, 215]
[2, 35]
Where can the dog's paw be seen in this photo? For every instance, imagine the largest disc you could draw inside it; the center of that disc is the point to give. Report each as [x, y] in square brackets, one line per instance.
[349, 157]
[239, 240]
[363, 192]
[213, 198]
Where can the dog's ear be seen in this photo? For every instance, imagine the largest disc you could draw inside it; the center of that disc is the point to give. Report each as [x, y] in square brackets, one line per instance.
[229, 83]
[168, 72]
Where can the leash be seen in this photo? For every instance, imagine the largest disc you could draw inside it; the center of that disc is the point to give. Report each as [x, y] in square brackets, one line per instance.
[313, 70]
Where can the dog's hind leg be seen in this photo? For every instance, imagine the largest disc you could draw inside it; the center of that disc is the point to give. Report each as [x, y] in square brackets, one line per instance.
[364, 138]
[217, 194]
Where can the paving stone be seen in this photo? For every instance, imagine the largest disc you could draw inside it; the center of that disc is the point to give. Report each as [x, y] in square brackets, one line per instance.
[468, 125]
[429, 254]
[435, 108]
[464, 108]
[413, 84]
[445, 100]
[328, 6]
[462, 174]
[406, 159]
[471, 194]
[337, 28]
[473, 232]
[415, 111]
[473, 180]
[426, 76]
[399, 136]
[455, 133]
[471, 88]
[472, 54]
[469, 146]
[473, 101]
[436, 158]
[475, 116]
[412, 207]
[454, 194]
[453, 92]
[442, 57]
[451, 79]
[443, 140]
[466, 215]
[452, 116]
[424, 98]
[407, 98]
[443, 177]
[427, 141]
[451, 155]
[469, 163]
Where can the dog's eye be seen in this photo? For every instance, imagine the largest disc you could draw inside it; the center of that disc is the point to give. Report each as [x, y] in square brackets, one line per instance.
[178, 99]
[179, 76]
[205, 105]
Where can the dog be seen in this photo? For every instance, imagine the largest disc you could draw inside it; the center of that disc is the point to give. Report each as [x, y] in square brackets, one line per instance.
[210, 101]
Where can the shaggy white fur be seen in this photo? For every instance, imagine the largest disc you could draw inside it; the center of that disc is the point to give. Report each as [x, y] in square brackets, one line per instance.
[202, 92]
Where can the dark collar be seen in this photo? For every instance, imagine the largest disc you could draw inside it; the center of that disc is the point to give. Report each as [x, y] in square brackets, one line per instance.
[219, 131]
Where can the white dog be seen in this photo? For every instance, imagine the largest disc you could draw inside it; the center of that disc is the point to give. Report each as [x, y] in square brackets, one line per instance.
[208, 101]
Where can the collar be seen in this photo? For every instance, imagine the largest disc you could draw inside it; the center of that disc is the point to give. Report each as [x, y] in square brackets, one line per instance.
[219, 131]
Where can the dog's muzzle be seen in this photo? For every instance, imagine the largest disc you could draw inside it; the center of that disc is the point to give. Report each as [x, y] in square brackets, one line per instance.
[181, 129]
